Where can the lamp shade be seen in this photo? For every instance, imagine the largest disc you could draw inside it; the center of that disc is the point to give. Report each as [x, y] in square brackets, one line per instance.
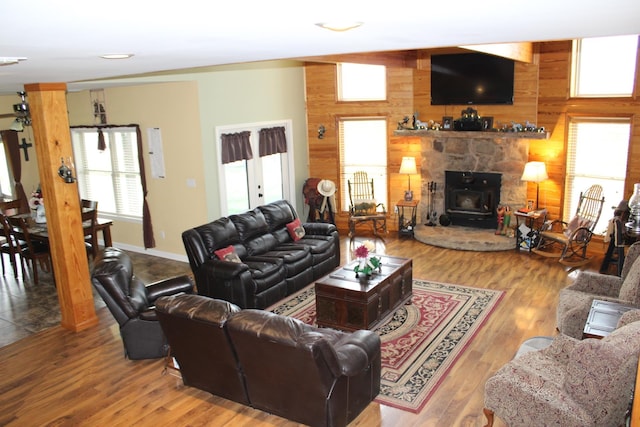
[408, 165]
[534, 172]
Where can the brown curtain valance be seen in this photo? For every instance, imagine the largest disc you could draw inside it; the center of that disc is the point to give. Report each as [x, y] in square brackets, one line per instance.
[236, 146]
[272, 141]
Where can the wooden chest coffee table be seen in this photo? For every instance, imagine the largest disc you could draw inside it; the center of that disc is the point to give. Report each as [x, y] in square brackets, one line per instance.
[342, 302]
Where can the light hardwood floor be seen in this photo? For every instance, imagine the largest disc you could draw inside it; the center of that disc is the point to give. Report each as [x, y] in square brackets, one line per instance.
[57, 377]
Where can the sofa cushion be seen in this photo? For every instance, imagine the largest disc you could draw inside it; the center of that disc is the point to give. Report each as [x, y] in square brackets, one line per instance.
[250, 224]
[278, 214]
[227, 254]
[296, 230]
[218, 234]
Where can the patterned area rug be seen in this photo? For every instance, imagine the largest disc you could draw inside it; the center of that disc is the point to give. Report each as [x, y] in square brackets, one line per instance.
[420, 342]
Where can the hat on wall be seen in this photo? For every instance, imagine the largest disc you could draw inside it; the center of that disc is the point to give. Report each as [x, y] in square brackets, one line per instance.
[327, 188]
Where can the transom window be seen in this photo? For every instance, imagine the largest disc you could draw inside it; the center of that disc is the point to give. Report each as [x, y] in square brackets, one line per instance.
[604, 66]
[362, 82]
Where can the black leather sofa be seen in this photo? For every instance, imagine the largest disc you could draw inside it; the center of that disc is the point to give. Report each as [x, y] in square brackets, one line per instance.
[270, 263]
[132, 302]
[314, 376]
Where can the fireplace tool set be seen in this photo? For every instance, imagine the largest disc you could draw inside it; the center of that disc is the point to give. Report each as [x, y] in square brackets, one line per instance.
[432, 214]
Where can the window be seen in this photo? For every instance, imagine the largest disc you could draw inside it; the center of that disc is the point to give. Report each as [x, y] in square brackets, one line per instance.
[6, 187]
[361, 82]
[594, 156]
[363, 147]
[111, 176]
[611, 57]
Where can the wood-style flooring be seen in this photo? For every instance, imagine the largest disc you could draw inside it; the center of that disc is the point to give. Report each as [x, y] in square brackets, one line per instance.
[56, 377]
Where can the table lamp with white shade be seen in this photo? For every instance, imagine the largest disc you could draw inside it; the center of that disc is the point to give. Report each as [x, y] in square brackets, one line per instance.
[535, 172]
[408, 166]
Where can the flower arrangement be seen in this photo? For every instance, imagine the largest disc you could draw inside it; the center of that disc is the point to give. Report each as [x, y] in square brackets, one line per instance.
[36, 199]
[367, 263]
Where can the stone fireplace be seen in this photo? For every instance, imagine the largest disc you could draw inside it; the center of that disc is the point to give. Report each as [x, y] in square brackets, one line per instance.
[501, 153]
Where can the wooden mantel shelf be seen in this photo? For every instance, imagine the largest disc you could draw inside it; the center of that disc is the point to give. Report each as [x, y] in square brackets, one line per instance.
[471, 134]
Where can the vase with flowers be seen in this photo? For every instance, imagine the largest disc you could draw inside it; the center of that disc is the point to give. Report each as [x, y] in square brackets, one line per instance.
[36, 202]
[368, 263]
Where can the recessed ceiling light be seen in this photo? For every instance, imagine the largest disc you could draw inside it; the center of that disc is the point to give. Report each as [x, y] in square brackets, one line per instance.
[117, 56]
[339, 26]
[10, 60]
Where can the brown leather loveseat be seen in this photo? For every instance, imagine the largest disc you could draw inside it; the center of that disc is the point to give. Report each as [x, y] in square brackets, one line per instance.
[256, 258]
[315, 376]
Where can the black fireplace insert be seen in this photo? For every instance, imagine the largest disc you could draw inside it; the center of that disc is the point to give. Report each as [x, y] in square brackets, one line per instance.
[471, 198]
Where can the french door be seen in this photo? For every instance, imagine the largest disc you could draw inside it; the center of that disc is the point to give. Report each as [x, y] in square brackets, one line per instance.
[251, 182]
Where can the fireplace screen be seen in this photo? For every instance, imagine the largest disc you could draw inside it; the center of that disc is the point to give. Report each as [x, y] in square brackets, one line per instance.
[471, 198]
[467, 200]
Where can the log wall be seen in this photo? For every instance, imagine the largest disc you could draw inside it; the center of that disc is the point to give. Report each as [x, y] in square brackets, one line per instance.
[541, 96]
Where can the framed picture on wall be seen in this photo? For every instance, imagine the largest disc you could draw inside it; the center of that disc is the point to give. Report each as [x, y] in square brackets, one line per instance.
[487, 123]
[447, 123]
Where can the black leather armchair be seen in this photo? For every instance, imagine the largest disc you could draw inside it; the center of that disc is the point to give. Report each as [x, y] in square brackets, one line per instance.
[132, 303]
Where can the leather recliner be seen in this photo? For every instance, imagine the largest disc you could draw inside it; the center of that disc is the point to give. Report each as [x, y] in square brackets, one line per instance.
[272, 265]
[315, 376]
[132, 303]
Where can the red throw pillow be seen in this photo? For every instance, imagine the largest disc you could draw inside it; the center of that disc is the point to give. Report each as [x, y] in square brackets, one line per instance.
[296, 230]
[228, 254]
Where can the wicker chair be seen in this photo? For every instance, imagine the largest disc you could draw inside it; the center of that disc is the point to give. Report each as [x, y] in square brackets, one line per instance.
[572, 238]
[364, 206]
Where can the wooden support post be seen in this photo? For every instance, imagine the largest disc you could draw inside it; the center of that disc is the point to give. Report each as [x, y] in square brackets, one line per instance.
[52, 140]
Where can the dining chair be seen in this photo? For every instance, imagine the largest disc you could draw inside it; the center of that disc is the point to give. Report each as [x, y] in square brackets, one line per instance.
[31, 251]
[89, 223]
[88, 204]
[9, 246]
[10, 207]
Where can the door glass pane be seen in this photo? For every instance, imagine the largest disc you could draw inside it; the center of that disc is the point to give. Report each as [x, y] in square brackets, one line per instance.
[272, 178]
[237, 187]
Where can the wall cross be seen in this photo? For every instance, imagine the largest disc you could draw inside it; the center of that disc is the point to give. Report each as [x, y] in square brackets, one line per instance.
[25, 145]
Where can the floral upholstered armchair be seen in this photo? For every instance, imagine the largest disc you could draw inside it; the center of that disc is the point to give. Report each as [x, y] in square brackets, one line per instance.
[575, 300]
[570, 383]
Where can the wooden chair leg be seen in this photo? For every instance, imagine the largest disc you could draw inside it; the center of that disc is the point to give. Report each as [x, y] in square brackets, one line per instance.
[489, 414]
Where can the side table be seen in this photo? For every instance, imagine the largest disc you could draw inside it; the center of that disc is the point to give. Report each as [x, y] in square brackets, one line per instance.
[603, 318]
[407, 219]
[528, 227]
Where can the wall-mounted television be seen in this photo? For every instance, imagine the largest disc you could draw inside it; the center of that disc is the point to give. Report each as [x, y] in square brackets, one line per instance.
[471, 78]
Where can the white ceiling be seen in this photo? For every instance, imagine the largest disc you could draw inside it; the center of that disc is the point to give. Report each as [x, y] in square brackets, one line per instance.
[62, 40]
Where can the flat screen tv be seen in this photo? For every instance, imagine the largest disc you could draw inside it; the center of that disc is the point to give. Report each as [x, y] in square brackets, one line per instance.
[471, 78]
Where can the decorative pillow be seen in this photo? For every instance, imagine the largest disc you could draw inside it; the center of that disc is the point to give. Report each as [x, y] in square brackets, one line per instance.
[296, 230]
[364, 206]
[228, 254]
[576, 223]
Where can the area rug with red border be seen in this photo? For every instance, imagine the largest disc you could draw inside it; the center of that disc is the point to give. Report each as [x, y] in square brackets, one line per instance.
[421, 341]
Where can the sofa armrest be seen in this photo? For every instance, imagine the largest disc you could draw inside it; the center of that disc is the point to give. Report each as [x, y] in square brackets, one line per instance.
[597, 284]
[171, 286]
[319, 228]
[628, 317]
[357, 351]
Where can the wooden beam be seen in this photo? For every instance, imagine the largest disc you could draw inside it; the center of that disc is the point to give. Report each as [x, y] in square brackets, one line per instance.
[48, 106]
[522, 52]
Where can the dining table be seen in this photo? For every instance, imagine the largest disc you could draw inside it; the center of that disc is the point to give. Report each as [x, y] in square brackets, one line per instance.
[40, 231]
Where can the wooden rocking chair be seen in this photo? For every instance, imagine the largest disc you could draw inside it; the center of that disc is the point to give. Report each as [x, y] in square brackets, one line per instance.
[572, 238]
[364, 206]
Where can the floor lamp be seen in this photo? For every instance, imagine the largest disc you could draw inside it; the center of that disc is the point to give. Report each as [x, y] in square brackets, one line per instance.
[535, 172]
